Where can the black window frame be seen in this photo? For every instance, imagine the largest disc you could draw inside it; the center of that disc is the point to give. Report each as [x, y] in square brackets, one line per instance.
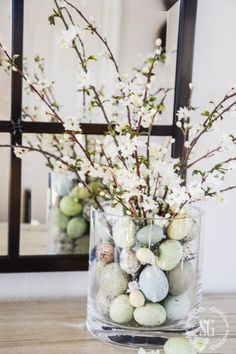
[14, 262]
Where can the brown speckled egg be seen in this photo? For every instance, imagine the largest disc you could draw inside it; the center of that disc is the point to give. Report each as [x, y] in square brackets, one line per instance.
[129, 262]
[105, 252]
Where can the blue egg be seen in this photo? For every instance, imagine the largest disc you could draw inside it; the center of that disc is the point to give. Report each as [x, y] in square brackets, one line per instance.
[153, 283]
[150, 234]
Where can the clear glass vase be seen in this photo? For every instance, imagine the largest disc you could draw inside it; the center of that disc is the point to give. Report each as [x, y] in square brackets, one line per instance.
[68, 216]
[144, 278]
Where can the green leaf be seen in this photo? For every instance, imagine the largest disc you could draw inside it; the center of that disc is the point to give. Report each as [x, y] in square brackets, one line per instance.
[92, 57]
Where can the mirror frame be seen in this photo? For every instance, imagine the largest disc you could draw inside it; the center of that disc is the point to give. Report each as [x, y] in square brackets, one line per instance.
[14, 262]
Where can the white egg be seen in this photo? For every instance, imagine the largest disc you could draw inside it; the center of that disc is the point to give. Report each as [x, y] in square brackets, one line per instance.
[113, 280]
[150, 315]
[177, 307]
[179, 345]
[180, 278]
[129, 262]
[124, 231]
[145, 256]
[180, 227]
[169, 255]
[136, 298]
[121, 311]
[150, 234]
[153, 283]
[103, 302]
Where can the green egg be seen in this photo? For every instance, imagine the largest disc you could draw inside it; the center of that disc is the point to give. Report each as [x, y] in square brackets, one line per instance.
[180, 278]
[169, 255]
[60, 219]
[94, 187]
[179, 345]
[82, 245]
[121, 310]
[180, 228]
[113, 280]
[69, 206]
[80, 193]
[76, 227]
[150, 315]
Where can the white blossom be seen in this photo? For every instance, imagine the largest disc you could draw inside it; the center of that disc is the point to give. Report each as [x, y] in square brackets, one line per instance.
[68, 36]
[72, 123]
[84, 79]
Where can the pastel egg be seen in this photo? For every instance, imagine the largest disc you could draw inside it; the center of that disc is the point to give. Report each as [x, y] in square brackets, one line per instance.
[103, 302]
[189, 251]
[80, 193]
[150, 315]
[124, 232]
[63, 184]
[169, 255]
[145, 256]
[129, 262]
[180, 227]
[70, 206]
[60, 219]
[113, 280]
[105, 252]
[94, 187]
[82, 245]
[179, 345]
[121, 311]
[180, 278]
[136, 298]
[153, 283]
[76, 227]
[150, 234]
[177, 307]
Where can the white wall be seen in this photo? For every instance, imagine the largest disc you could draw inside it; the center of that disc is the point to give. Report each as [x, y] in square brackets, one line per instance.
[214, 69]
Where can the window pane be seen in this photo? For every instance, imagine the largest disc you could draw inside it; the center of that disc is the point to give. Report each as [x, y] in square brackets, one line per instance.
[4, 192]
[5, 23]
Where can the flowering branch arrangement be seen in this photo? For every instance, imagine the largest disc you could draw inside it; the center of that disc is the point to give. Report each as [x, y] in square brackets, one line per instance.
[135, 172]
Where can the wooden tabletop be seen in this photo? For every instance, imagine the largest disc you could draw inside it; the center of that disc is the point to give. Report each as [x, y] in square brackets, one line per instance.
[58, 327]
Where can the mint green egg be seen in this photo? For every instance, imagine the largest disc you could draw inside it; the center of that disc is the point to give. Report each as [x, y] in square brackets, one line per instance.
[69, 206]
[177, 307]
[180, 228]
[76, 227]
[60, 219]
[150, 234]
[150, 315]
[180, 278]
[82, 245]
[179, 345]
[113, 280]
[169, 255]
[80, 193]
[121, 311]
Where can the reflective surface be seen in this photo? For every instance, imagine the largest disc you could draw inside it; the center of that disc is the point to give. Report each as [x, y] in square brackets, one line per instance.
[5, 32]
[4, 192]
[130, 37]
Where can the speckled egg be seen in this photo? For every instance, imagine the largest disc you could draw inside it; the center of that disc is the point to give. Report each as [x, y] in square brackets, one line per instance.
[189, 251]
[124, 232]
[69, 206]
[179, 345]
[180, 227]
[113, 280]
[105, 252]
[150, 315]
[76, 227]
[129, 262]
[60, 219]
[169, 255]
[103, 302]
[153, 283]
[63, 184]
[180, 278]
[177, 307]
[150, 234]
[136, 298]
[80, 193]
[121, 311]
[82, 245]
[145, 256]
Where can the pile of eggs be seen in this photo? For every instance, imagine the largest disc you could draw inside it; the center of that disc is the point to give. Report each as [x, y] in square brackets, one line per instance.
[70, 228]
[143, 275]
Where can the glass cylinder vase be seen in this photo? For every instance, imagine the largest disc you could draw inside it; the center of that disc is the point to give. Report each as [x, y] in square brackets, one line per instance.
[68, 215]
[144, 278]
